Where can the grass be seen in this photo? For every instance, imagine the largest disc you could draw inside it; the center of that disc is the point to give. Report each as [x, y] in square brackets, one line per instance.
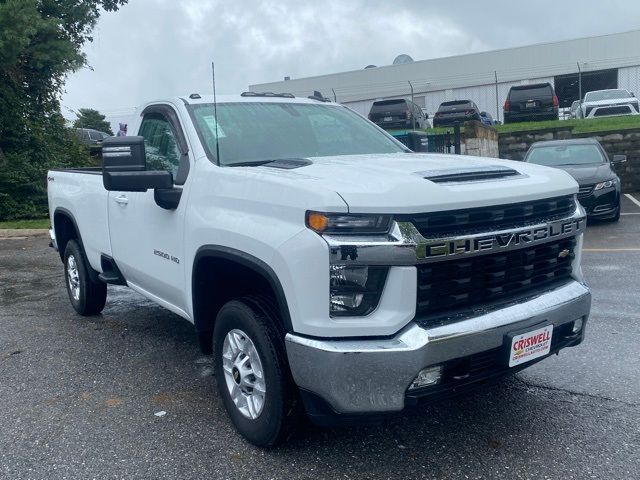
[608, 124]
[21, 224]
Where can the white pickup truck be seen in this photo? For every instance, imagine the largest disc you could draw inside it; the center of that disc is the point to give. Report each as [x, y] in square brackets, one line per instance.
[331, 271]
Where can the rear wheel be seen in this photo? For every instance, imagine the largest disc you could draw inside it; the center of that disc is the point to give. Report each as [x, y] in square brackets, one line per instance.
[87, 297]
[252, 373]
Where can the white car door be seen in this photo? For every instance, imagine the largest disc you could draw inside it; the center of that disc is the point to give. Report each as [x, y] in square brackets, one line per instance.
[147, 239]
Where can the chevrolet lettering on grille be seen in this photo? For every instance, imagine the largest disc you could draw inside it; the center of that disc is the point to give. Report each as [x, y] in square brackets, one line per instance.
[500, 241]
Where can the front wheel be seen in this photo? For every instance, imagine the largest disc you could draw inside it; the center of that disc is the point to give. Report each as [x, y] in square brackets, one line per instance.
[87, 297]
[252, 373]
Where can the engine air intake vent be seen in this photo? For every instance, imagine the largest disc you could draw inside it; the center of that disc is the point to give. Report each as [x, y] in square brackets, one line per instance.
[442, 224]
[473, 174]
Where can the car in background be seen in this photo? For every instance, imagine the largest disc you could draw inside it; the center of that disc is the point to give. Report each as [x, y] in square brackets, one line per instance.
[608, 103]
[397, 113]
[487, 119]
[456, 111]
[526, 103]
[587, 162]
[573, 110]
[90, 137]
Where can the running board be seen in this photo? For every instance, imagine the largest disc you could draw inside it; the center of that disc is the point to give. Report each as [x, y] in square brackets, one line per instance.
[110, 271]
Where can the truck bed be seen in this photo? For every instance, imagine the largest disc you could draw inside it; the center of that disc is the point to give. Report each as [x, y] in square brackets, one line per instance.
[80, 194]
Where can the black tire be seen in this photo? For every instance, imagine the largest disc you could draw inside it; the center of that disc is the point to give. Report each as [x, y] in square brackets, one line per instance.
[90, 297]
[281, 411]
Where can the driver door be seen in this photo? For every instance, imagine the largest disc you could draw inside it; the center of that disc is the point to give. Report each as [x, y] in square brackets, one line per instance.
[146, 239]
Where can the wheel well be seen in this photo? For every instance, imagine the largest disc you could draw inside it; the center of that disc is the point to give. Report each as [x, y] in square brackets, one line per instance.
[65, 230]
[217, 280]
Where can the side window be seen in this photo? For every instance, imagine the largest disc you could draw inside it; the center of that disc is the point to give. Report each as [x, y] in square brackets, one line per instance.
[160, 144]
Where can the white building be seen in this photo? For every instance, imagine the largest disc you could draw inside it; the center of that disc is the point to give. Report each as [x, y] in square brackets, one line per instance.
[608, 61]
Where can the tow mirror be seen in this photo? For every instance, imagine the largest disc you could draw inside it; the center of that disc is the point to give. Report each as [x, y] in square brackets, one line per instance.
[124, 167]
[123, 154]
[619, 158]
[418, 141]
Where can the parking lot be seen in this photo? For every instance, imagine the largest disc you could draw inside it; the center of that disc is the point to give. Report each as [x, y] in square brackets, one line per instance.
[79, 397]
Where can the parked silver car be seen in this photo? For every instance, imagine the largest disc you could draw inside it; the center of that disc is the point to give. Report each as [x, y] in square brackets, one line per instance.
[606, 103]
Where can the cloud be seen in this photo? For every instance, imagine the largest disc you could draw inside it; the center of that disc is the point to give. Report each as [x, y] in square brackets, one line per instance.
[157, 48]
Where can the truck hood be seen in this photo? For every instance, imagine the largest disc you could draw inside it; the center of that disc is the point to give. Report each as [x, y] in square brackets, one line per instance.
[409, 183]
[611, 102]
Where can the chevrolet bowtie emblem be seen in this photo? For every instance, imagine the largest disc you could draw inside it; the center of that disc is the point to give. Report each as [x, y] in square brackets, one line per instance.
[563, 253]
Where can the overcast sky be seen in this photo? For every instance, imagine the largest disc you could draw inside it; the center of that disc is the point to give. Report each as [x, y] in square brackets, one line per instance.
[157, 48]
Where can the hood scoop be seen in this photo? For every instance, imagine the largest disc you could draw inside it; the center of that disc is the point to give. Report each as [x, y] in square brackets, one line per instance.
[289, 163]
[470, 174]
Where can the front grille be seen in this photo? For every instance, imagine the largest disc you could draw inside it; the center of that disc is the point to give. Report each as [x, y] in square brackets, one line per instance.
[622, 110]
[458, 284]
[585, 191]
[491, 218]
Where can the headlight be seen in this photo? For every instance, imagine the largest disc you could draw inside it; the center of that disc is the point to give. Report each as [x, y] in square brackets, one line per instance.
[348, 223]
[607, 184]
[355, 291]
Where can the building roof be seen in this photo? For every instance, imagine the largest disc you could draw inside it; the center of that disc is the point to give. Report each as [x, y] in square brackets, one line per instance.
[510, 64]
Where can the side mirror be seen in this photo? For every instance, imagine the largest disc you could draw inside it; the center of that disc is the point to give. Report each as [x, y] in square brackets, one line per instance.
[619, 159]
[418, 141]
[123, 154]
[124, 167]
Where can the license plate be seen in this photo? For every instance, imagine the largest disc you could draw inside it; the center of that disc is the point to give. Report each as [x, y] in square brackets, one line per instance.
[387, 119]
[531, 105]
[531, 345]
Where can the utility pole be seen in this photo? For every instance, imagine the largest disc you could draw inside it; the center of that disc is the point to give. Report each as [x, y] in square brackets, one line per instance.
[413, 115]
[495, 73]
[579, 83]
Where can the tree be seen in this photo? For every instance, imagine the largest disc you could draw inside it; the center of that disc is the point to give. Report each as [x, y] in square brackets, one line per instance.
[40, 44]
[90, 118]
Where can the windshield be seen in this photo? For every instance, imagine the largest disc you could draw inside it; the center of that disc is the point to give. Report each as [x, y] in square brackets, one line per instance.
[261, 131]
[529, 92]
[557, 155]
[606, 95]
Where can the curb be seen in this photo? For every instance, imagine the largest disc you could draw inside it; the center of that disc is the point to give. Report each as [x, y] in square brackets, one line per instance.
[20, 233]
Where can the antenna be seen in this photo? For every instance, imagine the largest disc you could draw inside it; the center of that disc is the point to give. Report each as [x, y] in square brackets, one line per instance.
[215, 110]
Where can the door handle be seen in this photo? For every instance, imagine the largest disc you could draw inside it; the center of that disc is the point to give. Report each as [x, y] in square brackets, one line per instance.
[122, 200]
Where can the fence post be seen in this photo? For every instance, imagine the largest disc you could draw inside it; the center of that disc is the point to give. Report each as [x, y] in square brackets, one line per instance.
[413, 116]
[456, 138]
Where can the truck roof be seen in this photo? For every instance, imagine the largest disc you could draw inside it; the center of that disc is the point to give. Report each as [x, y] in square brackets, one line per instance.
[245, 99]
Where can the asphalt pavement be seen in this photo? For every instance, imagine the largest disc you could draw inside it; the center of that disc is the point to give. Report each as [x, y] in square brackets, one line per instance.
[84, 398]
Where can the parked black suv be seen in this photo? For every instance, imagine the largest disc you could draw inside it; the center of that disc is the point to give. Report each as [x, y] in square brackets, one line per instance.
[531, 102]
[397, 113]
[456, 111]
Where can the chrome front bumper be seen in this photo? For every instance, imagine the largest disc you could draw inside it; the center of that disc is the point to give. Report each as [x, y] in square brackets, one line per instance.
[373, 375]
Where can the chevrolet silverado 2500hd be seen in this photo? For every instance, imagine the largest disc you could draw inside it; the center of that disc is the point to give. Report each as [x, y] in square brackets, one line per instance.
[331, 271]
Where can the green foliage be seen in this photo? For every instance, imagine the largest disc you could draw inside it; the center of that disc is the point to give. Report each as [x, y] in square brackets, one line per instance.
[40, 43]
[90, 118]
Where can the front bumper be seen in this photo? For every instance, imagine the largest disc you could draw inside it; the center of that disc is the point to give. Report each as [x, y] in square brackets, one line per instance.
[354, 376]
[601, 204]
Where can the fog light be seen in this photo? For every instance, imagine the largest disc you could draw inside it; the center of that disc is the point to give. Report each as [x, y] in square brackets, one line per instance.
[577, 326]
[427, 377]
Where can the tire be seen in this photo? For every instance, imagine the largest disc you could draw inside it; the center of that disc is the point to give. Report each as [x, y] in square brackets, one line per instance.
[264, 419]
[87, 297]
